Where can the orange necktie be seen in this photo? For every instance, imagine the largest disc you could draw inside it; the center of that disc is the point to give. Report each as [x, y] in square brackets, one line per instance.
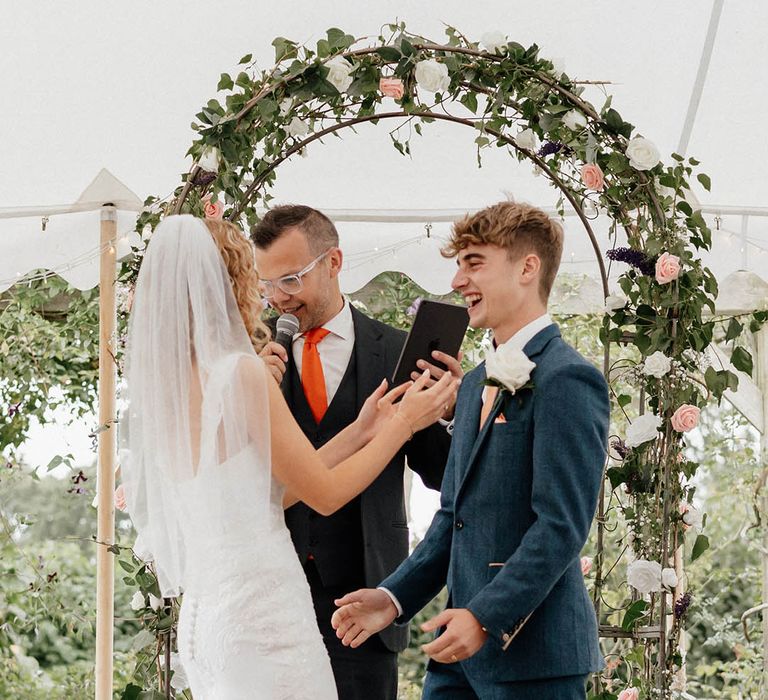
[312, 378]
[489, 397]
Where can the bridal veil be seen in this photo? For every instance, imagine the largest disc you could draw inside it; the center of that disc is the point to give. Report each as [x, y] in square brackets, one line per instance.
[196, 399]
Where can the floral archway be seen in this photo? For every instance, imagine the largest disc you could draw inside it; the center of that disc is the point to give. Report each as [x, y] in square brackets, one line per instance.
[517, 100]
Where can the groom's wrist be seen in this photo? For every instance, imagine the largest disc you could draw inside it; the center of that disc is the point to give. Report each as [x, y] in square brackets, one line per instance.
[394, 600]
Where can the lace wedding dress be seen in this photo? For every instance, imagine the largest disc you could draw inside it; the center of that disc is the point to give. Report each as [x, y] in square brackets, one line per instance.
[198, 481]
[247, 627]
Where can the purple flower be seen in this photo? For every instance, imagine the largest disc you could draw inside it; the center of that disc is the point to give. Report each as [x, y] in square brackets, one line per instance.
[551, 147]
[203, 178]
[620, 447]
[682, 604]
[413, 308]
[635, 258]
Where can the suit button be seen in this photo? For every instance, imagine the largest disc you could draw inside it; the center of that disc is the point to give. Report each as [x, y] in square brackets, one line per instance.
[505, 637]
[459, 524]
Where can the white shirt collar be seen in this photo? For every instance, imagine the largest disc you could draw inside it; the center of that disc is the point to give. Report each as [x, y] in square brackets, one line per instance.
[527, 332]
[341, 324]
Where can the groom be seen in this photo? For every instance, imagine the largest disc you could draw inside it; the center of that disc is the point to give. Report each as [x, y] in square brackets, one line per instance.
[519, 492]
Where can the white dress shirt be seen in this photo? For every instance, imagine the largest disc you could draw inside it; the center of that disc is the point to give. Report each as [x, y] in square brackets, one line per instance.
[335, 349]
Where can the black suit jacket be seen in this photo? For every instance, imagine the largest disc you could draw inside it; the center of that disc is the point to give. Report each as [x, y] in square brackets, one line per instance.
[382, 505]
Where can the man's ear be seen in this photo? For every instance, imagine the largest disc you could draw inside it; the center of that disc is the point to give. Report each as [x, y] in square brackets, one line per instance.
[335, 260]
[531, 268]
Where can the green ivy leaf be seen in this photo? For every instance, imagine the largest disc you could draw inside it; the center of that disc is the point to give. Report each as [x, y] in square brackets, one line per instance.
[245, 59]
[734, 330]
[633, 614]
[225, 82]
[706, 183]
[700, 546]
[741, 359]
[389, 53]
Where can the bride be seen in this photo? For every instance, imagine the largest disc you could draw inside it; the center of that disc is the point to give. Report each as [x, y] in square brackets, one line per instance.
[214, 453]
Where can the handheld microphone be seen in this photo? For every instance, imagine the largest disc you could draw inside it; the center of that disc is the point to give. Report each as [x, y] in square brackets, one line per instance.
[287, 326]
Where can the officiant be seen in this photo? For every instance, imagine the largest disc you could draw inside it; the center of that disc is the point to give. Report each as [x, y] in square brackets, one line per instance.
[337, 358]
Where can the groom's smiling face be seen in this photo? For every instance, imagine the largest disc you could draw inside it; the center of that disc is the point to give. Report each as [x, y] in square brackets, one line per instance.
[501, 294]
[319, 299]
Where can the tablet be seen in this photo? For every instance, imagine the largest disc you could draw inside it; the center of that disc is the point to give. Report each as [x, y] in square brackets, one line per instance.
[437, 326]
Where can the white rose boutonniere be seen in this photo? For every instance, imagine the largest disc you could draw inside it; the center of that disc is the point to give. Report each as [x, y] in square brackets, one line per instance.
[508, 368]
[432, 76]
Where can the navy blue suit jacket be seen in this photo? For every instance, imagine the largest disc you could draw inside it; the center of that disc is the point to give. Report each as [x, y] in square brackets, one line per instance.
[517, 503]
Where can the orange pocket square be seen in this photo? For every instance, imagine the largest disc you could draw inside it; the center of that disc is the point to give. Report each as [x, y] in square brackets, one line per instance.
[500, 418]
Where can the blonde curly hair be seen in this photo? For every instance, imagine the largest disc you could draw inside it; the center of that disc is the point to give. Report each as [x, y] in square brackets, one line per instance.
[237, 252]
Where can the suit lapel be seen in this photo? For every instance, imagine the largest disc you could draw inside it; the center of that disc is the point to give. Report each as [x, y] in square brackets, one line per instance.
[369, 355]
[533, 349]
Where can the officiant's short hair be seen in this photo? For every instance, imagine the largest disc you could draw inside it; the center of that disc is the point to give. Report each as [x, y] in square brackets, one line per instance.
[520, 229]
[316, 226]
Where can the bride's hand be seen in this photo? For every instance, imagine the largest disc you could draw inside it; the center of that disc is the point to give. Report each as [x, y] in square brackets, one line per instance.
[421, 407]
[378, 409]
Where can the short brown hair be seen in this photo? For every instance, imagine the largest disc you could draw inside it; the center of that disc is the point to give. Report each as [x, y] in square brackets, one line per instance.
[317, 227]
[237, 253]
[519, 229]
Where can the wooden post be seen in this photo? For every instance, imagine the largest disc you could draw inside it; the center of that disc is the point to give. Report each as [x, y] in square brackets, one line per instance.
[105, 477]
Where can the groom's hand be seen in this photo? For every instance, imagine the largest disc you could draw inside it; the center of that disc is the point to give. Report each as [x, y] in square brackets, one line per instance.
[275, 358]
[463, 636]
[361, 614]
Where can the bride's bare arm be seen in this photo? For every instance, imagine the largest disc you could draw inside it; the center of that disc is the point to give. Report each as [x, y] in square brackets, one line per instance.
[306, 475]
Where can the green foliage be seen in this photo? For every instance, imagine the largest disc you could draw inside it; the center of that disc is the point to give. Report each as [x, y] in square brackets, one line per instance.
[49, 340]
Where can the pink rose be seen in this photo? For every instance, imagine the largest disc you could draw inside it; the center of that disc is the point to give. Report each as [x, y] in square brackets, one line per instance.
[392, 87]
[213, 210]
[586, 565]
[120, 498]
[592, 177]
[667, 268]
[685, 418]
[629, 694]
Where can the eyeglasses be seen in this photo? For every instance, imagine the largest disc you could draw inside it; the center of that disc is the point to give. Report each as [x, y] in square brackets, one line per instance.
[290, 284]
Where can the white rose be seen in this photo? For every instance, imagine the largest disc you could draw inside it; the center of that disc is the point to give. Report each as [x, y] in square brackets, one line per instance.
[209, 161]
[137, 602]
[432, 76]
[527, 139]
[339, 70]
[155, 603]
[643, 429]
[615, 302]
[642, 153]
[493, 41]
[297, 127]
[285, 106]
[179, 678]
[509, 366]
[574, 120]
[693, 517]
[657, 365]
[644, 575]
[669, 577]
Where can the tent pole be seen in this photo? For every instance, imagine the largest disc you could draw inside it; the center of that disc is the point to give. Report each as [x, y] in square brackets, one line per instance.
[105, 477]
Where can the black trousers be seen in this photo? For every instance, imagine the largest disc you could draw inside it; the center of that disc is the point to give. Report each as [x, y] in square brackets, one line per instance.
[366, 673]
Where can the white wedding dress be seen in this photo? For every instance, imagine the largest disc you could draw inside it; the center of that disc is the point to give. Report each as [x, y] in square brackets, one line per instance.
[199, 485]
[247, 627]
